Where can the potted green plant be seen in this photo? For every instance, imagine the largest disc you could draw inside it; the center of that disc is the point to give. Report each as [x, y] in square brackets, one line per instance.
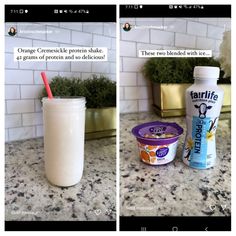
[170, 77]
[100, 94]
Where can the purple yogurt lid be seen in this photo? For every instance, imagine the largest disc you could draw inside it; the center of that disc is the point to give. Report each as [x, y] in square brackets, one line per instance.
[157, 128]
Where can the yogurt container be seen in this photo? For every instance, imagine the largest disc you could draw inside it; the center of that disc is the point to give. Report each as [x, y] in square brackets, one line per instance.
[157, 141]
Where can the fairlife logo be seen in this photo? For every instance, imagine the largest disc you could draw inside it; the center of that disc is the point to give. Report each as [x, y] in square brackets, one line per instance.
[204, 95]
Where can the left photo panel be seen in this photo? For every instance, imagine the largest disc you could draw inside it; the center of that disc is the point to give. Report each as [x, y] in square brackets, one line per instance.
[60, 117]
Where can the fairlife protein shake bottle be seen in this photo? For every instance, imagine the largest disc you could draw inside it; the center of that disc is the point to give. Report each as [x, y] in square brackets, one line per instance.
[203, 104]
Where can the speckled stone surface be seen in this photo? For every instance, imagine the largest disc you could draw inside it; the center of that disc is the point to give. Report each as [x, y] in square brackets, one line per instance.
[173, 189]
[29, 196]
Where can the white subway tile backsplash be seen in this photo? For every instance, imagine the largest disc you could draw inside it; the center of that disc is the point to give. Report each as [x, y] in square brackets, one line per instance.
[70, 74]
[38, 79]
[143, 81]
[31, 30]
[124, 20]
[184, 40]
[112, 77]
[58, 34]
[205, 43]
[85, 75]
[9, 61]
[177, 33]
[171, 48]
[121, 63]
[110, 29]
[137, 35]
[30, 91]
[128, 49]
[113, 43]
[192, 19]
[55, 66]
[38, 105]
[101, 67]
[144, 105]
[151, 22]
[20, 106]
[18, 77]
[209, 21]
[21, 133]
[94, 28]
[112, 68]
[32, 119]
[111, 55]
[217, 45]
[6, 135]
[148, 46]
[39, 131]
[66, 45]
[194, 28]
[133, 64]
[71, 25]
[81, 39]
[216, 54]
[121, 93]
[162, 37]
[81, 66]
[128, 79]
[128, 106]
[56, 24]
[12, 121]
[12, 92]
[175, 25]
[225, 23]
[131, 93]
[23, 79]
[144, 92]
[32, 65]
[101, 41]
[11, 42]
[40, 43]
[215, 32]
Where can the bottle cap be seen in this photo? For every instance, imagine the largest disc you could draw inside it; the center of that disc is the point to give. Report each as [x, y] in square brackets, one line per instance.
[206, 72]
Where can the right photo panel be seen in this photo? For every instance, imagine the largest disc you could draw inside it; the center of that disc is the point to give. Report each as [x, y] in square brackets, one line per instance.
[175, 117]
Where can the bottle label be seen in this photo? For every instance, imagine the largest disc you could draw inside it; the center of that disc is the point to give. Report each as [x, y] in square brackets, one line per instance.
[203, 109]
[199, 133]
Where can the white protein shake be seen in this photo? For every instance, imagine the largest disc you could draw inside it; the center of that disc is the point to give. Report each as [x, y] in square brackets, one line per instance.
[203, 104]
[64, 128]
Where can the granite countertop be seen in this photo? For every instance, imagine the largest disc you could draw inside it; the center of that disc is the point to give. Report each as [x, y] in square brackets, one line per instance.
[173, 189]
[29, 196]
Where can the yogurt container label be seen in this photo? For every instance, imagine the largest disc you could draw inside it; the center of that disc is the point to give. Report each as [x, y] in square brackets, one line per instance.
[157, 155]
[162, 152]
